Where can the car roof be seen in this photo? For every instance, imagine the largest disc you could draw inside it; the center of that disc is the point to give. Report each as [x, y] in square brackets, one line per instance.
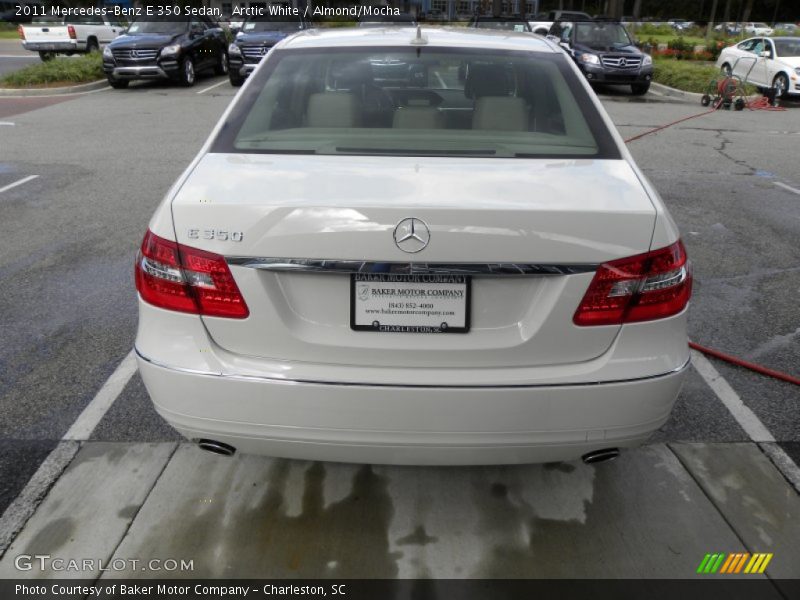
[434, 37]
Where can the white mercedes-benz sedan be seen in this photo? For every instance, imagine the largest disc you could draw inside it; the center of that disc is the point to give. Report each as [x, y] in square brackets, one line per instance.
[414, 247]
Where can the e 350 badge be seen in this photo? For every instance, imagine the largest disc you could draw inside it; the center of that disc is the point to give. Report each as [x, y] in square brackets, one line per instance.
[216, 234]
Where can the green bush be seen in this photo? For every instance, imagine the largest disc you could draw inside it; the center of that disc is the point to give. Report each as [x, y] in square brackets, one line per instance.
[82, 69]
[687, 75]
[683, 75]
[650, 29]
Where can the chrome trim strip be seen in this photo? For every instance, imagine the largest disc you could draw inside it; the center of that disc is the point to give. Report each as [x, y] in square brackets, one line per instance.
[391, 385]
[308, 265]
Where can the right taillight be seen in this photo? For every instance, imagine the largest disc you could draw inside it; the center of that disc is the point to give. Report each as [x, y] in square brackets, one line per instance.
[186, 279]
[21, 32]
[644, 287]
[71, 32]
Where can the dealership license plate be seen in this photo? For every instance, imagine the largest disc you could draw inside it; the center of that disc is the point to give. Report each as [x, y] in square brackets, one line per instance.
[409, 303]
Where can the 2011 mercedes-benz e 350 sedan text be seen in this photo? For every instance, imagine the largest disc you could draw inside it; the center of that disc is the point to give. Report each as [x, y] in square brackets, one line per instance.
[414, 247]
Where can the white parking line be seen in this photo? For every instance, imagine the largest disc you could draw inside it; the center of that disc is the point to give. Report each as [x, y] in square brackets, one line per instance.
[787, 187]
[746, 418]
[16, 183]
[24, 505]
[86, 422]
[211, 87]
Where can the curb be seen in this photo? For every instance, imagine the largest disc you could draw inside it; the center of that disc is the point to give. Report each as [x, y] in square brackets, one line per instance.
[56, 91]
[671, 92]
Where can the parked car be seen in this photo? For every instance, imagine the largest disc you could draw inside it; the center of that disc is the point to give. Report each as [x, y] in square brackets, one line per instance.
[772, 62]
[69, 35]
[255, 39]
[355, 269]
[501, 23]
[789, 28]
[729, 28]
[757, 29]
[435, 14]
[174, 48]
[605, 53]
[542, 25]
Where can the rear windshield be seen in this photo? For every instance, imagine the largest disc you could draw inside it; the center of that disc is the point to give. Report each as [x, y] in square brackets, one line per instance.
[416, 102]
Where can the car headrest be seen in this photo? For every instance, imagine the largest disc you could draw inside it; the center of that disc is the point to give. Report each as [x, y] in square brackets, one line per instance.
[332, 109]
[486, 80]
[500, 113]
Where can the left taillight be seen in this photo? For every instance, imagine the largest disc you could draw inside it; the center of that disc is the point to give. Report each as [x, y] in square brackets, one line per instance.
[71, 31]
[185, 279]
[21, 32]
[645, 287]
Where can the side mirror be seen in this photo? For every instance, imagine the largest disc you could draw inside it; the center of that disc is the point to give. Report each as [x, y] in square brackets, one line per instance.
[766, 54]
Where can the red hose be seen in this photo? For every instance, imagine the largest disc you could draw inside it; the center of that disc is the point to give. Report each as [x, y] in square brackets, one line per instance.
[762, 104]
[641, 135]
[743, 363]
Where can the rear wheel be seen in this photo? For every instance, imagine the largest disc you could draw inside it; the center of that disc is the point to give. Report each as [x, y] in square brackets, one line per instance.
[187, 75]
[92, 45]
[118, 84]
[45, 56]
[781, 85]
[640, 89]
[726, 70]
[221, 67]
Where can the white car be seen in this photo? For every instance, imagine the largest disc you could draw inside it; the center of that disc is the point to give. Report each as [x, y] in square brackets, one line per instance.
[765, 62]
[757, 28]
[371, 260]
[69, 35]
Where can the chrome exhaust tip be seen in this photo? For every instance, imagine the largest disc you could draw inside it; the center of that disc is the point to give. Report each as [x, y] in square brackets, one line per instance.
[216, 447]
[598, 456]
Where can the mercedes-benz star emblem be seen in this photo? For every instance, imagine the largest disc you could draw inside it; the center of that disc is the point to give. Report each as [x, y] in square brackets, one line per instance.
[134, 54]
[411, 235]
[623, 62]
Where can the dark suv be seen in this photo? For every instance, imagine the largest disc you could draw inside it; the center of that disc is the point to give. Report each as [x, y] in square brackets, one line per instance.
[175, 48]
[256, 37]
[605, 53]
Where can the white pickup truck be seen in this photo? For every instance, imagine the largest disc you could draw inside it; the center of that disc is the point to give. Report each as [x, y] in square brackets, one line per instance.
[69, 35]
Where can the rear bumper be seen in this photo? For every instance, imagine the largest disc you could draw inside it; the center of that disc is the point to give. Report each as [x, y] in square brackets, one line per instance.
[52, 46]
[410, 425]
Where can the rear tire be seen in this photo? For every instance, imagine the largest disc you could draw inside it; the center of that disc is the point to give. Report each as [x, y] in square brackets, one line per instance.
[45, 56]
[92, 46]
[118, 84]
[726, 70]
[705, 100]
[639, 89]
[187, 75]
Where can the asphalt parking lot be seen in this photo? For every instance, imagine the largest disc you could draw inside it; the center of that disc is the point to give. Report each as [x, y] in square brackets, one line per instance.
[79, 179]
